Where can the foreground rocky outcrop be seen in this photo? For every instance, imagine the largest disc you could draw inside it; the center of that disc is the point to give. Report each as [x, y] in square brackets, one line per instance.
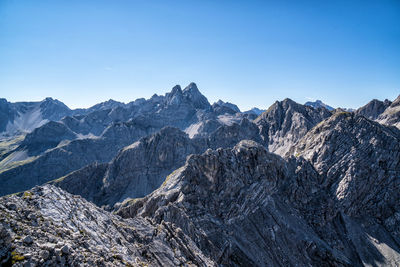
[46, 226]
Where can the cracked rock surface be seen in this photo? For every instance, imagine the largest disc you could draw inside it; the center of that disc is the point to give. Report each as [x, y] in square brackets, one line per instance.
[48, 227]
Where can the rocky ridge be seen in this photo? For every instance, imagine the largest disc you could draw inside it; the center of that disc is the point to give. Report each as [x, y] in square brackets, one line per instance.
[158, 154]
[46, 226]
[246, 206]
[373, 109]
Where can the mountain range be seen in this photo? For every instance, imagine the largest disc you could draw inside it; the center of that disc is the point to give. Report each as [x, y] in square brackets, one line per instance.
[174, 180]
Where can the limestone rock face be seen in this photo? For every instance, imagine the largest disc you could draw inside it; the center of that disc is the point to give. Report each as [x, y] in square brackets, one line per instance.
[285, 122]
[142, 167]
[359, 159]
[391, 115]
[246, 206]
[224, 200]
[49, 227]
[373, 109]
[229, 202]
[228, 136]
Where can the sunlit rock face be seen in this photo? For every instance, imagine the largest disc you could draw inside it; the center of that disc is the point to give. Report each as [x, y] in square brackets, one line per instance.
[285, 122]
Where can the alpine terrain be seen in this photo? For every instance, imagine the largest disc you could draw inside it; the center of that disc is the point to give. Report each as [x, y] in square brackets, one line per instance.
[175, 180]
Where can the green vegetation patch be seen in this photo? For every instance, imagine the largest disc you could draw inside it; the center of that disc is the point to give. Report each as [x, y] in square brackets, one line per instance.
[16, 257]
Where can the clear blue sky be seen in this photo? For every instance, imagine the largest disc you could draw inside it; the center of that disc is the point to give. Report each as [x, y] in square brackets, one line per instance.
[247, 52]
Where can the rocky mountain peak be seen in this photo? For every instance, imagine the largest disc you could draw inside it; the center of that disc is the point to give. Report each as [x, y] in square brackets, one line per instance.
[287, 102]
[109, 104]
[176, 90]
[193, 94]
[373, 109]
[175, 97]
[50, 100]
[285, 122]
[192, 88]
[228, 105]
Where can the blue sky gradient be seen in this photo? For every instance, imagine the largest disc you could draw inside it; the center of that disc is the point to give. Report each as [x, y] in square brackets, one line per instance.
[251, 53]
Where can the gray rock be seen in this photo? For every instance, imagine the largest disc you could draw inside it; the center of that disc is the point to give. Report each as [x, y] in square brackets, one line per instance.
[28, 239]
[44, 254]
[373, 109]
[106, 235]
[61, 147]
[391, 115]
[45, 137]
[11, 206]
[159, 155]
[246, 205]
[285, 122]
[65, 249]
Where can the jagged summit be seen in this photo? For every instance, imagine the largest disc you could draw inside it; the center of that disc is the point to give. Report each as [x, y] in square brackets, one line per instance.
[192, 88]
[176, 90]
[189, 96]
[373, 109]
[194, 95]
[285, 122]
